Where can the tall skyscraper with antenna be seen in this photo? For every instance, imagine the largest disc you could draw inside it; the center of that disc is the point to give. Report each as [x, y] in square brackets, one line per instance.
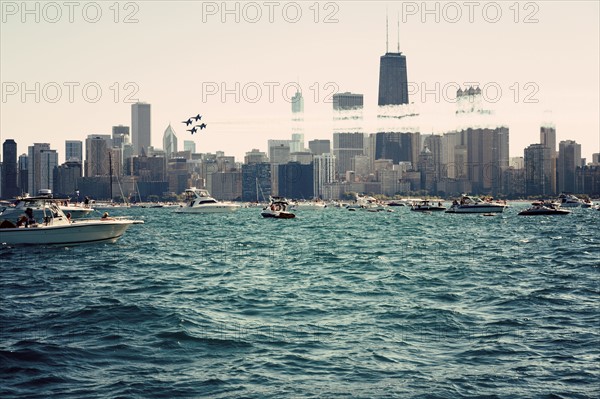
[393, 79]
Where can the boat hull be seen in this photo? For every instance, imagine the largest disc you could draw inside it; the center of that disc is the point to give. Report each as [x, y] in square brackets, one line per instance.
[220, 208]
[543, 213]
[278, 215]
[76, 233]
[476, 209]
[428, 209]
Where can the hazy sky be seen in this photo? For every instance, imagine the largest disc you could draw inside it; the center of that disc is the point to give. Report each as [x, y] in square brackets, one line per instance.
[537, 62]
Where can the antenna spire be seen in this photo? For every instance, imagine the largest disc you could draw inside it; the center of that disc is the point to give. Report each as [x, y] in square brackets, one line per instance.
[386, 31]
[398, 32]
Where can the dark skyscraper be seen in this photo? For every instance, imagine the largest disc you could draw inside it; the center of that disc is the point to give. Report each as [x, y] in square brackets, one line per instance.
[393, 80]
[10, 188]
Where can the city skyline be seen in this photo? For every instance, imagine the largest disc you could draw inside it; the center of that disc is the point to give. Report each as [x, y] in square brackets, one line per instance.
[182, 63]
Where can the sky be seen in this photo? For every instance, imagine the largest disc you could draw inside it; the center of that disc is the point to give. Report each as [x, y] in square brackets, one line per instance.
[73, 69]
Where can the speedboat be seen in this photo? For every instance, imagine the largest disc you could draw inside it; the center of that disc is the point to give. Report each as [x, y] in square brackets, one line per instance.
[568, 201]
[277, 209]
[200, 201]
[367, 203]
[55, 228]
[37, 205]
[426, 206]
[545, 208]
[470, 204]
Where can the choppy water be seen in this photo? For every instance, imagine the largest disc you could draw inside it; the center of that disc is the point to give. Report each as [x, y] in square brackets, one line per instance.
[330, 304]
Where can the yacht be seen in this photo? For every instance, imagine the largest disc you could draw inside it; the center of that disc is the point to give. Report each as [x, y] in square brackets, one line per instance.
[55, 228]
[367, 203]
[277, 209]
[37, 204]
[200, 201]
[568, 201]
[426, 206]
[544, 208]
[468, 204]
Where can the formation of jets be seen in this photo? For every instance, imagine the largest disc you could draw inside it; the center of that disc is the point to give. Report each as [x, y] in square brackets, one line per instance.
[191, 120]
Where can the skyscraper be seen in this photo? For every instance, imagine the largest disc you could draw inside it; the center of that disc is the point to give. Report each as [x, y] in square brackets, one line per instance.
[10, 187]
[319, 147]
[347, 100]
[189, 145]
[169, 141]
[279, 151]
[393, 80]
[397, 146]
[97, 147]
[538, 169]
[41, 163]
[297, 103]
[120, 135]
[345, 147]
[140, 126]
[23, 173]
[569, 158]
[73, 151]
[548, 139]
[324, 173]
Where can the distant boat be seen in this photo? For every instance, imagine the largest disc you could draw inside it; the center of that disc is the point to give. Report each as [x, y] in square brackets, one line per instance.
[568, 201]
[426, 206]
[307, 206]
[55, 228]
[277, 209]
[546, 208]
[200, 201]
[470, 204]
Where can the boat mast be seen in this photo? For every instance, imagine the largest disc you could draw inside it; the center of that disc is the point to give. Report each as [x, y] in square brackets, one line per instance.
[110, 171]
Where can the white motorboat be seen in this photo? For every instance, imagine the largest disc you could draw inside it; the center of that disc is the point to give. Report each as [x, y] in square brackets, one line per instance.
[568, 201]
[427, 206]
[55, 228]
[367, 203]
[468, 204]
[21, 203]
[200, 201]
[307, 206]
[277, 209]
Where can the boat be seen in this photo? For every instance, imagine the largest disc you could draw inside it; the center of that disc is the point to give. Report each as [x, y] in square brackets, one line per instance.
[277, 209]
[545, 208]
[568, 201]
[469, 204]
[55, 228]
[367, 203]
[199, 201]
[426, 206]
[307, 206]
[21, 203]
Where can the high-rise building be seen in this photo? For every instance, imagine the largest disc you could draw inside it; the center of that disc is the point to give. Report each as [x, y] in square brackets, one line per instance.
[256, 182]
[97, 147]
[324, 169]
[295, 180]
[140, 127]
[120, 136]
[393, 80]
[169, 141]
[41, 163]
[73, 151]
[66, 177]
[596, 158]
[297, 143]
[23, 173]
[538, 170]
[347, 100]
[345, 147]
[397, 146]
[10, 186]
[319, 147]
[569, 158]
[297, 103]
[255, 156]
[189, 145]
[487, 158]
[548, 139]
[279, 151]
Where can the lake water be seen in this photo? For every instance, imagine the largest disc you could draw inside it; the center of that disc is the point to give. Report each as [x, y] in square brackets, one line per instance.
[330, 304]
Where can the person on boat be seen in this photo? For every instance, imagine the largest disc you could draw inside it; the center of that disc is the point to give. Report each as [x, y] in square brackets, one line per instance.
[106, 217]
[86, 201]
[68, 216]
